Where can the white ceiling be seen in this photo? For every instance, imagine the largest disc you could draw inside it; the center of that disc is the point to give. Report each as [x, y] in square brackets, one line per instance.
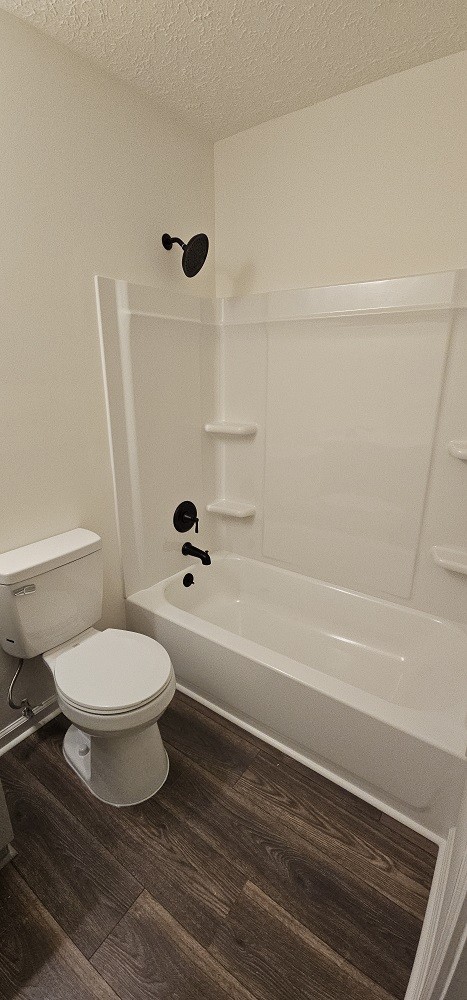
[225, 65]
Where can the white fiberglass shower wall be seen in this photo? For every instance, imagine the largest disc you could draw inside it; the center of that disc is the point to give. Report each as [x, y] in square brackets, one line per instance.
[358, 393]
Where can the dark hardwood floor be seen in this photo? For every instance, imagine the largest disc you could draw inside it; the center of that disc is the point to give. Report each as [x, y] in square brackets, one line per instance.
[248, 877]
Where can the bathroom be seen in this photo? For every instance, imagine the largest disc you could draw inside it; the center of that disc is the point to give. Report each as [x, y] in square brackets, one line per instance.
[319, 657]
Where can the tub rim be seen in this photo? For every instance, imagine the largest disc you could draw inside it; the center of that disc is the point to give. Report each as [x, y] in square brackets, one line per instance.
[430, 727]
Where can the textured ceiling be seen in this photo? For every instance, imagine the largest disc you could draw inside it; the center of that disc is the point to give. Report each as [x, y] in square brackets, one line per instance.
[224, 65]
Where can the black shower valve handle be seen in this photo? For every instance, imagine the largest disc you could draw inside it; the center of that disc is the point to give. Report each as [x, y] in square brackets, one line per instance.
[186, 517]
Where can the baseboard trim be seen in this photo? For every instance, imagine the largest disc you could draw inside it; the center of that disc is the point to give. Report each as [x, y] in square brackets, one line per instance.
[7, 855]
[21, 728]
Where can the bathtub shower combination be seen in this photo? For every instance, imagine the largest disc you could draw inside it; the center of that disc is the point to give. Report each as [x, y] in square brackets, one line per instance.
[360, 677]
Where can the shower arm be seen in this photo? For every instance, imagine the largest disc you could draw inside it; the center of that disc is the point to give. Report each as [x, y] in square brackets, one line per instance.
[168, 242]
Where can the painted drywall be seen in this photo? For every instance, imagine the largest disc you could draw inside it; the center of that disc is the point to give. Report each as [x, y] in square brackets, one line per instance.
[366, 185]
[90, 178]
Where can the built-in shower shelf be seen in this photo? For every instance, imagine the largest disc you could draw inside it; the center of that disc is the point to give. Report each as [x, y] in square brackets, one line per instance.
[232, 429]
[231, 508]
[453, 559]
[458, 449]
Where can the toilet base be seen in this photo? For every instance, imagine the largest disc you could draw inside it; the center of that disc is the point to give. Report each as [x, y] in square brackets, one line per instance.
[121, 770]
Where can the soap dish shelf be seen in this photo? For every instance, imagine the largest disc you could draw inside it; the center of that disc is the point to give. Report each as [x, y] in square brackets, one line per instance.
[232, 508]
[228, 428]
[458, 449]
[453, 559]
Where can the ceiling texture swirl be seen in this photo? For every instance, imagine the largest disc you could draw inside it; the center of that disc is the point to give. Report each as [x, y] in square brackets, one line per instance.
[221, 66]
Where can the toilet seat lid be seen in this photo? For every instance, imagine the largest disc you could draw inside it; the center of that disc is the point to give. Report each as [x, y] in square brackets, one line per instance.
[113, 671]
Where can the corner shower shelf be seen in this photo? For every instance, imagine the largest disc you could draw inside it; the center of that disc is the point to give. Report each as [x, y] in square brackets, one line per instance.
[458, 449]
[233, 429]
[231, 508]
[453, 559]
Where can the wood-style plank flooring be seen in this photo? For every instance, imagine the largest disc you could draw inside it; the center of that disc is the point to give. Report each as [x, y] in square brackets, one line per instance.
[248, 877]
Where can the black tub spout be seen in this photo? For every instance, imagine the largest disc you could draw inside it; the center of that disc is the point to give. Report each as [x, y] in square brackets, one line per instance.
[190, 550]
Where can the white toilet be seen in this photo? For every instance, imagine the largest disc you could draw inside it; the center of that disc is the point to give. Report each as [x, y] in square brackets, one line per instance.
[112, 685]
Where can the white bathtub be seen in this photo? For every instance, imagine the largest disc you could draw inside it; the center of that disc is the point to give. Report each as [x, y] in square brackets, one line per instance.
[370, 693]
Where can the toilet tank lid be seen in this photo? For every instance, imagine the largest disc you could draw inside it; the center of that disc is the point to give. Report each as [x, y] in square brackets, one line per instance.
[50, 553]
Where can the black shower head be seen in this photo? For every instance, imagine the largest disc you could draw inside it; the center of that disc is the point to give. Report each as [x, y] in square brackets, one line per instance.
[194, 252]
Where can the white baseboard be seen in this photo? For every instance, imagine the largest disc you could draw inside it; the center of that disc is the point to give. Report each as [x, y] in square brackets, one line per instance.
[21, 728]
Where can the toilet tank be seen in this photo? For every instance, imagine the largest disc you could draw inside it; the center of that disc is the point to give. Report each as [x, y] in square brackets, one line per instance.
[50, 591]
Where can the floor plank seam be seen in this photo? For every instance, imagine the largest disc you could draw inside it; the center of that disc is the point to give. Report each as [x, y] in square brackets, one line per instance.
[199, 948]
[226, 917]
[88, 830]
[357, 972]
[391, 836]
[339, 864]
[56, 919]
[411, 838]
[220, 720]
[264, 886]
[302, 931]
[114, 928]
[240, 776]
[41, 906]
[293, 765]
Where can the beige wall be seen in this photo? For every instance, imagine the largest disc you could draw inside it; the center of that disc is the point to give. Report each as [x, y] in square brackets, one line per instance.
[366, 185]
[89, 180]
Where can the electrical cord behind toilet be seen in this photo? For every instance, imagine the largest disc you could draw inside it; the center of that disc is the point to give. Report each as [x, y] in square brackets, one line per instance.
[24, 707]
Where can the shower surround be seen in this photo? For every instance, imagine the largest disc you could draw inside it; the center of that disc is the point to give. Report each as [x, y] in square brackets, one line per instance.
[314, 430]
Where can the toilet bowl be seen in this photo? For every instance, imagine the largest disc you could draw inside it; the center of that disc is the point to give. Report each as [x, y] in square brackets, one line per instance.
[113, 686]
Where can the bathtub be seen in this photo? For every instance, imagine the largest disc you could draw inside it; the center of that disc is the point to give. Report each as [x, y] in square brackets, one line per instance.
[369, 693]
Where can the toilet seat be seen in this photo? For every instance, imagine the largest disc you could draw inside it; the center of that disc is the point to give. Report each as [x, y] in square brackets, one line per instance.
[113, 672]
